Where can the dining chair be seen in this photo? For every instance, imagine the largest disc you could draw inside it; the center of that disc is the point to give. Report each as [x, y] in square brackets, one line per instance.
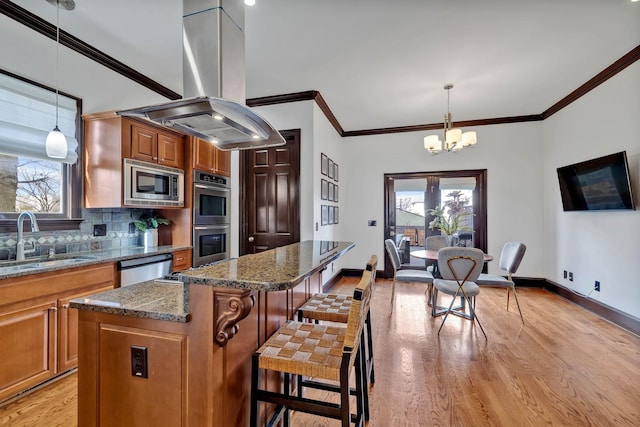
[459, 267]
[510, 258]
[421, 276]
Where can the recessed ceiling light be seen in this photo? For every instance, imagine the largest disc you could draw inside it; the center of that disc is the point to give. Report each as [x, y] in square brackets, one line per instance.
[252, 2]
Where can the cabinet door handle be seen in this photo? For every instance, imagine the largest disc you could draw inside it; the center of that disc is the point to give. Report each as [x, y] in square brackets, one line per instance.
[180, 259]
[53, 308]
[65, 306]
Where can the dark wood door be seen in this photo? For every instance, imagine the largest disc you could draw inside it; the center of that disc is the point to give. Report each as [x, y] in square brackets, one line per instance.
[271, 192]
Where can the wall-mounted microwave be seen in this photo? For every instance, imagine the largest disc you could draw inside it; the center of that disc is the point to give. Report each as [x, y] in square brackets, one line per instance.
[147, 184]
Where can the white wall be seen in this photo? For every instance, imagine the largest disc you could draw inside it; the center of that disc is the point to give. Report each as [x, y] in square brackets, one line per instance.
[512, 155]
[601, 246]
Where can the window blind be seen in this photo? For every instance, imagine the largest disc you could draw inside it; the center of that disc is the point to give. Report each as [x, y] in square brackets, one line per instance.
[28, 113]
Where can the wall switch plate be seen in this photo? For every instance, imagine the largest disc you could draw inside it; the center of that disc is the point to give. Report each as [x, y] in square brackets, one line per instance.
[372, 223]
[99, 230]
[139, 362]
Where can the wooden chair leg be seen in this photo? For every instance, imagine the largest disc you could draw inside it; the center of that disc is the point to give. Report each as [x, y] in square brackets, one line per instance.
[393, 292]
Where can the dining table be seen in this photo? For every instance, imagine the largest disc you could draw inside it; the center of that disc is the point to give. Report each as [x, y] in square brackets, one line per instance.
[432, 254]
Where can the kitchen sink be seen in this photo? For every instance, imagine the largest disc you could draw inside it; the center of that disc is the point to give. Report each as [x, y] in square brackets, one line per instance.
[40, 264]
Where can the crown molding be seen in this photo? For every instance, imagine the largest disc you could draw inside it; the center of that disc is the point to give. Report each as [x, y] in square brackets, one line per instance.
[38, 24]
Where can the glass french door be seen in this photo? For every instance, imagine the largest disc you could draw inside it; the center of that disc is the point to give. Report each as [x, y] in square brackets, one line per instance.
[409, 196]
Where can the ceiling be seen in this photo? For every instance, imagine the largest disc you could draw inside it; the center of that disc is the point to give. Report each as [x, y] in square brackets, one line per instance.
[383, 64]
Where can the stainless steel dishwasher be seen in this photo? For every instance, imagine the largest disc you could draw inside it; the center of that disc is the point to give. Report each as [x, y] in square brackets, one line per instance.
[138, 270]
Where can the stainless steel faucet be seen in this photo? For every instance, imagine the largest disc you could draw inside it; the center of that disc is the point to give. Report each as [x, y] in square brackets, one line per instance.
[20, 252]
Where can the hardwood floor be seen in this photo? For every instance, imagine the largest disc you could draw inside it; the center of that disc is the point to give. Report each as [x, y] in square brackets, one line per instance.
[565, 367]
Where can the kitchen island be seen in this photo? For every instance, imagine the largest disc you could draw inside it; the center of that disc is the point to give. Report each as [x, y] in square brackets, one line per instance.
[179, 352]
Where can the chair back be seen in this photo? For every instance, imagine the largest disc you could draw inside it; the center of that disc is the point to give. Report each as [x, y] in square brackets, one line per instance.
[435, 243]
[372, 266]
[358, 313]
[511, 256]
[390, 246]
[460, 263]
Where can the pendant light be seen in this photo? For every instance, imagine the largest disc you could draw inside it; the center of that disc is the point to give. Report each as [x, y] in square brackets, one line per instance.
[454, 139]
[56, 143]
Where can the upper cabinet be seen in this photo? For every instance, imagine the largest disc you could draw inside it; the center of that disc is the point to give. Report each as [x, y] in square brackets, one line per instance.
[208, 158]
[150, 145]
[109, 138]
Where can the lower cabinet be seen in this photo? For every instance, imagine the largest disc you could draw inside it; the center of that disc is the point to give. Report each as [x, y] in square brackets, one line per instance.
[68, 330]
[28, 350]
[38, 330]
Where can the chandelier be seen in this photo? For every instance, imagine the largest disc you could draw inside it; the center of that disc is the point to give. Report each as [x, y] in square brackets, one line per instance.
[454, 138]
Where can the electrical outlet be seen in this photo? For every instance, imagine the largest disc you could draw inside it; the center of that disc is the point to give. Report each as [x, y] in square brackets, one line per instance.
[570, 276]
[596, 286]
[139, 362]
[372, 223]
[99, 230]
[565, 274]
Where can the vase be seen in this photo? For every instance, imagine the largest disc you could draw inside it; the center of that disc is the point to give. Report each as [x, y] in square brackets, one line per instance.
[450, 239]
[150, 238]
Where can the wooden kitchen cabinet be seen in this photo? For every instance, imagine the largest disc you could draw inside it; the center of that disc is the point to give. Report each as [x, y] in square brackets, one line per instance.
[38, 331]
[181, 260]
[68, 330]
[208, 158]
[108, 139]
[150, 145]
[28, 350]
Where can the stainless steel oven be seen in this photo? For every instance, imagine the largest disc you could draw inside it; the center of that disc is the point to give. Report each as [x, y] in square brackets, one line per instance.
[211, 204]
[210, 243]
[210, 199]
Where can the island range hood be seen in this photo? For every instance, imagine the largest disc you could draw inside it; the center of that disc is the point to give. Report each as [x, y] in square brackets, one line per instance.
[214, 82]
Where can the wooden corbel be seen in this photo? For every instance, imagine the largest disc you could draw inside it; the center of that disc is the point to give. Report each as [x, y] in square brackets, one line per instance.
[232, 305]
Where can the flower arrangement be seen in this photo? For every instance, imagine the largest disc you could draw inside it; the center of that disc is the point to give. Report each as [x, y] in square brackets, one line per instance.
[150, 222]
[447, 223]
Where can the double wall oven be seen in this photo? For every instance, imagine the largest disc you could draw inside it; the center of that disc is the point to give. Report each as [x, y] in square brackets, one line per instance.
[211, 205]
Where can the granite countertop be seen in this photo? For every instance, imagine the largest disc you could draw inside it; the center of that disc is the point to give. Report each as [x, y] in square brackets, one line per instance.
[155, 299]
[80, 259]
[273, 270]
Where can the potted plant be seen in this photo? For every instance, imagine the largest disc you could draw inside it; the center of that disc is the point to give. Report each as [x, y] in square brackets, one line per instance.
[447, 222]
[148, 225]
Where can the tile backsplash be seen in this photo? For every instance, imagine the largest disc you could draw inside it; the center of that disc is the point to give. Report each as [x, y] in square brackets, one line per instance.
[120, 233]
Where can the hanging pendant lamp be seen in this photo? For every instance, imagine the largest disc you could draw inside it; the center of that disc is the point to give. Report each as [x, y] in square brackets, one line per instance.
[454, 139]
[56, 143]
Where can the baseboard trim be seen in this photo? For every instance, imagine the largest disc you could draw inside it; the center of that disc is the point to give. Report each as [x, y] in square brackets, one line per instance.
[331, 283]
[613, 315]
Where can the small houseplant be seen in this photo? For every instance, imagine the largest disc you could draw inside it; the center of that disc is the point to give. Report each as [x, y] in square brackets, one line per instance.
[148, 225]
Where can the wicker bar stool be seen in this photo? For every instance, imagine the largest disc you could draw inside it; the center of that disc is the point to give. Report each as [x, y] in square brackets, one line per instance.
[335, 308]
[327, 352]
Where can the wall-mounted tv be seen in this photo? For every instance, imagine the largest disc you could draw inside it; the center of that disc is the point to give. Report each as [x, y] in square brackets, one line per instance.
[597, 184]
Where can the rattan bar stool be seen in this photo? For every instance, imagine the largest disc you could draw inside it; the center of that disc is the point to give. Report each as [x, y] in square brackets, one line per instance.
[323, 351]
[335, 308]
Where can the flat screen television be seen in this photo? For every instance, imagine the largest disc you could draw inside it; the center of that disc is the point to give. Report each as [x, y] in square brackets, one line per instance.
[597, 184]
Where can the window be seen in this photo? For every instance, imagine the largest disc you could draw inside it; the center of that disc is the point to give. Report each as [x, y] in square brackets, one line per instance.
[29, 180]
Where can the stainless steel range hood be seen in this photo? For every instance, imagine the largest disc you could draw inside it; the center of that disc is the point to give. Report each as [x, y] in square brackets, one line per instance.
[214, 81]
